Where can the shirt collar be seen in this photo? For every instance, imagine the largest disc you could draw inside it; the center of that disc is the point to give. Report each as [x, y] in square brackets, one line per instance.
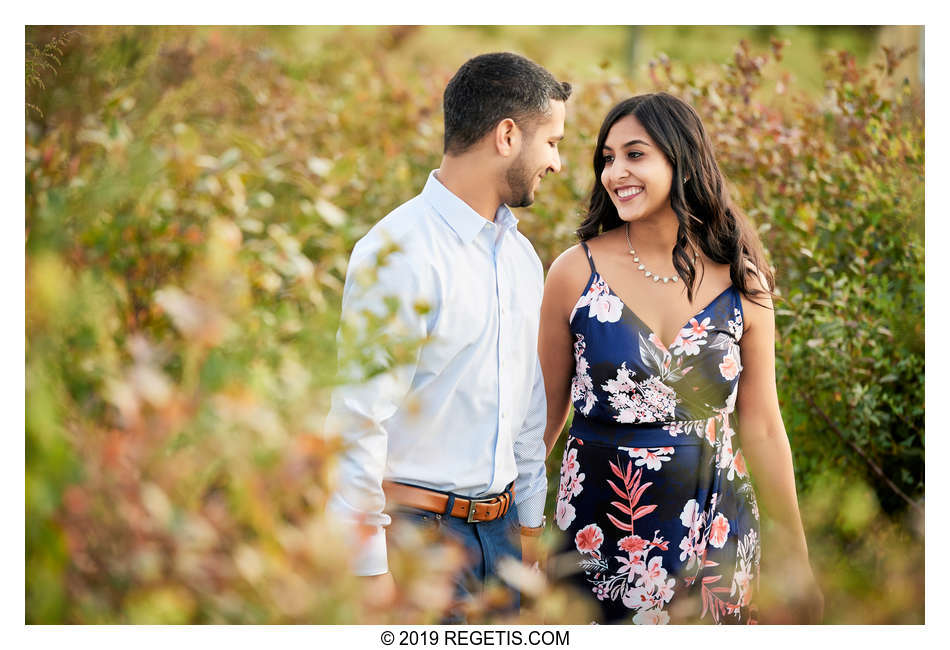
[458, 214]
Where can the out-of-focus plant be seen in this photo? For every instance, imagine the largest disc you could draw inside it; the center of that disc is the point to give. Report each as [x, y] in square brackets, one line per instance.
[192, 198]
[42, 60]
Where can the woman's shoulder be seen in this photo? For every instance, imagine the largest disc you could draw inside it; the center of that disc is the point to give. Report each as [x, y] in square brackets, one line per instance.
[572, 262]
[568, 274]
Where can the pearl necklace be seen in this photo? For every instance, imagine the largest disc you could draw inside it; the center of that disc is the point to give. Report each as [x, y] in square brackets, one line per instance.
[640, 267]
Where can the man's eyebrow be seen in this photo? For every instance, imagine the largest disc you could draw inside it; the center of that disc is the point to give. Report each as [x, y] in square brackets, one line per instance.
[629, 144]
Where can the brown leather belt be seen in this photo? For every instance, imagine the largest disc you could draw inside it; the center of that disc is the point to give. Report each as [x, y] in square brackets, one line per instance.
[471, 510]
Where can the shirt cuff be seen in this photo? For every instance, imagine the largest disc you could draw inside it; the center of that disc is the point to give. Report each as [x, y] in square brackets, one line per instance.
[370, 558]
[531, 510]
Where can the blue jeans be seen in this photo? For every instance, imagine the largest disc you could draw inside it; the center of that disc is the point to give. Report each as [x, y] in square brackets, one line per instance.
[486, 542]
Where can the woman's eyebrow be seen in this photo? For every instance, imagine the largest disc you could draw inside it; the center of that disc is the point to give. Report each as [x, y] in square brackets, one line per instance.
[629, 144]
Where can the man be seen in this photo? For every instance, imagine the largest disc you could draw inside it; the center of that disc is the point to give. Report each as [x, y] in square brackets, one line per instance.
[451, 430]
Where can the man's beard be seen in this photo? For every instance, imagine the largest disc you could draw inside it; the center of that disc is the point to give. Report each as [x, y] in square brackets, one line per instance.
[519, 181]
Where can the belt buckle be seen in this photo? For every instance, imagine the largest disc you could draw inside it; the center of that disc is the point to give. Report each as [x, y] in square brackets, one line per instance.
[470, 519]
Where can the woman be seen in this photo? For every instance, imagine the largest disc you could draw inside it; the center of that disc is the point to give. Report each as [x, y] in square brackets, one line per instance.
[655, 493]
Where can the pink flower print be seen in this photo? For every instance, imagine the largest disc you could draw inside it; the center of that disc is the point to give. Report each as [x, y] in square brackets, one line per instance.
[665, 592]
[719, 531]
[685, 346]
[564, 514]
[652, 459]
[674, 429]
[633, 544]
[653, 574]
[632, 565]
[637, 598]
[651, 617]
[606, 308]
[569, 465]
[573, 486]
[695, 329]
[692, 549]
[739, 463]
[692, 517]
[688, 548]
[582, 388]
[596, 288]
[729, 368]
[740, 581]
[589, 538]
[711, 430]
[735, 326]
[600, 591]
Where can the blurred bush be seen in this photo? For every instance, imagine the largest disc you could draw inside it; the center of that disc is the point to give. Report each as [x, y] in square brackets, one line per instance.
[192, 197]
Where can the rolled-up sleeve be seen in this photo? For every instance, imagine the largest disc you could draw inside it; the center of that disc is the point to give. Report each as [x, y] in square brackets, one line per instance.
[381, 328]
[531, 484]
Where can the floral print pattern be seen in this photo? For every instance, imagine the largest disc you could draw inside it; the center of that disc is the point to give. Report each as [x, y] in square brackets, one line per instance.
[654, 493]
[601, 303]
[582, 388]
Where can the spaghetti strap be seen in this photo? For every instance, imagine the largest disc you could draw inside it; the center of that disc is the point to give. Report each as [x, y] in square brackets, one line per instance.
[590, 258]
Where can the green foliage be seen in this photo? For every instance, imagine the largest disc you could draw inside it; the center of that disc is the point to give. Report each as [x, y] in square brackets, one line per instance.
[39, 60]
[191, 202]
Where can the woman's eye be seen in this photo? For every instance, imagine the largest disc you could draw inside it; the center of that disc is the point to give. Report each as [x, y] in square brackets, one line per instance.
[608, 159]
[635, 154]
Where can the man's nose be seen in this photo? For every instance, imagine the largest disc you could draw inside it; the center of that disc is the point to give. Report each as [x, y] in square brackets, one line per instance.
[556, 167]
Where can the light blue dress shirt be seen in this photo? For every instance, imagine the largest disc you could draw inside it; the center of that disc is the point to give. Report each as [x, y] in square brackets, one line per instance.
[466, 414]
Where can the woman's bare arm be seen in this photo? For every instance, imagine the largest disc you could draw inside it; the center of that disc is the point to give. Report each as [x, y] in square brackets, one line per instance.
[765, 443]
[565, 282]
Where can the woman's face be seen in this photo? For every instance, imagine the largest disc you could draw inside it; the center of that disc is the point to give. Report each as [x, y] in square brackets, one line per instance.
[636, 174]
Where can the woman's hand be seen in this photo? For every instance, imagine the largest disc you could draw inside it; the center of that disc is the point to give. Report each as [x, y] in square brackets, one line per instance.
[792, 595]
[807, 602]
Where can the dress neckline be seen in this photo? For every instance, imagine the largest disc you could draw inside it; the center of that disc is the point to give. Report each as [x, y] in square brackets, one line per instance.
[643, 323]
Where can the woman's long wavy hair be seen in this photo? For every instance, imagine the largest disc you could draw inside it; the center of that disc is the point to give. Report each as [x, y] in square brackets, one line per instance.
[708, 219]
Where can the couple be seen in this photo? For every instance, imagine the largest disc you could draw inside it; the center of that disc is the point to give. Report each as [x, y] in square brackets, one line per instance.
[655, 496]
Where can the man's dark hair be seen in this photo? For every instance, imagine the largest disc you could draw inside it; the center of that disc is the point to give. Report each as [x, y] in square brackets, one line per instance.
[492, 87]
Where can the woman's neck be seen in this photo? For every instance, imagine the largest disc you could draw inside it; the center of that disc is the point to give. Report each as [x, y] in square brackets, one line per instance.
[654, 235]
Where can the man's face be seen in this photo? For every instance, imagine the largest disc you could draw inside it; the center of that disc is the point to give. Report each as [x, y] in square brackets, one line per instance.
[537, 157]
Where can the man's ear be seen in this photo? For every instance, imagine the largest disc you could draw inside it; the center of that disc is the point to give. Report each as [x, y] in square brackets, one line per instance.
[507, 137]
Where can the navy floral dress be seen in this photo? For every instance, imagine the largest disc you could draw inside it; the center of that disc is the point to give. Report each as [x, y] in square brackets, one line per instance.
[654, 494]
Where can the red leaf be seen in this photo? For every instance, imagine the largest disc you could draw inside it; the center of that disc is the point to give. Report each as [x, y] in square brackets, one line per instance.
[710, 579]
[619, 524]
[720, 590]
[620, 493]
[616, 471]
[710, 563]
[624, 509]
[632, 483]
[640, 491]
[643, 511]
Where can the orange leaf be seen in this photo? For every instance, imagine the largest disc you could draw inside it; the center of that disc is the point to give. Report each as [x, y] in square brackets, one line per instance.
[619, 524]
[624, 509]
[643, 511]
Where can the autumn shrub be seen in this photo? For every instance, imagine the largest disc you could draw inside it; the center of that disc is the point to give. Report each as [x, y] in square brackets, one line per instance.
[191, 200]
